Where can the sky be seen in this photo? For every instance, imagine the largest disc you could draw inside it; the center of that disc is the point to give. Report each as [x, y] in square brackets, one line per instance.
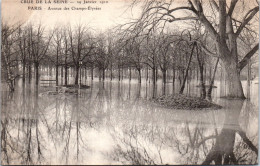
[112, 13]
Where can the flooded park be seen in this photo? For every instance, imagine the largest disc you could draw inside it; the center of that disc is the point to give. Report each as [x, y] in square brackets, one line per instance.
[114, 122]
[138, 82]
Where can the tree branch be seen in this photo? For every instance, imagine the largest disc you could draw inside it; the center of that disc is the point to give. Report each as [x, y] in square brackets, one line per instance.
[248, 142]
[248, 17]
[181, 8]
[215, 4]
[222, 21]
[247, 57]
[232, 7]
[203, 19]
[183, 19]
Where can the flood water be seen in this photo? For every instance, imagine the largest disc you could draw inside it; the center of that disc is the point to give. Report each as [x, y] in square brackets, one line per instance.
[115, 123]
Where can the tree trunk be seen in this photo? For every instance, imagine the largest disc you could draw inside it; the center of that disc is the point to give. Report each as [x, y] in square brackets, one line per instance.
[99, 74]
[179, 76]
[50, 71]
[104, 73]
[223, 150]
[154, 75]
[202, 82]
[154, 85]
[212, 80]
[164, 82]
[139, 76]
[197, 76]
[248, 79]
[36, 68]
[66, 74]
[61, 71]
[92, 73]
[30, 72]
[147, 73]
[80, 75]
[57, 75]
[234, 85]
[77, 75]
[119, 74]
[122, 75]
[173, 79]
[111, 73]
[210, 72]
[164, 76]
[86, 73]
[187, 70]
[23, 71]
[130, 74]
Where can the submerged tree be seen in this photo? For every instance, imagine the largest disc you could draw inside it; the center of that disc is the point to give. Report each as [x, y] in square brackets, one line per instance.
[134, 56]
[81, 46]
[38, 44]
[57, 41]
[9, 56]
[101, 55]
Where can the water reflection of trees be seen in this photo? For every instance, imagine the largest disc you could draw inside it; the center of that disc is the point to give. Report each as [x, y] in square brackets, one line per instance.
[145, 144]
[223, 150]
[55, 129]
[193, 142]
[40, 127]
[34, 127]
[21, 131]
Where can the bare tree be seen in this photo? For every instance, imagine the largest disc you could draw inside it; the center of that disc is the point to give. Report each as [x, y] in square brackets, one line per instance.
[81, 46]
[22, 47]
[66, 51]
[9, 54]
[39, 44]
[57, 42]
[135, 57]
[102, 55]
[224, 30]
[166, 53]
[194, 44]
[200, 59]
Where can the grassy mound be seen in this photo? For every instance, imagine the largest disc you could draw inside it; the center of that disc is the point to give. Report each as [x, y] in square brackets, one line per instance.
[178, 101]
[81, 86]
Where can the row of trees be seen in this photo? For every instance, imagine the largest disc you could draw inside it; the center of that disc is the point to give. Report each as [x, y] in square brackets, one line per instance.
[143, 45]
[27, 48]
[31, 46]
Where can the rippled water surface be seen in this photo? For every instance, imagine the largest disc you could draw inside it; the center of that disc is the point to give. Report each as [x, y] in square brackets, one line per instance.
[115, 123]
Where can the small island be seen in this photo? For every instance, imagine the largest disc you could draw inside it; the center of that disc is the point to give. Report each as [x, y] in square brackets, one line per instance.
[180, 101]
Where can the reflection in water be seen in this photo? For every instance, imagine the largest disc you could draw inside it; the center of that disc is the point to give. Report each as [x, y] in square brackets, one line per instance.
[195, 140]
[114, 123]
[223, 150]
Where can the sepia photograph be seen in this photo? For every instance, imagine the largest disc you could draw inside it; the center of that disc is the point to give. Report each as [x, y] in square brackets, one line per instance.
[129, 82]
